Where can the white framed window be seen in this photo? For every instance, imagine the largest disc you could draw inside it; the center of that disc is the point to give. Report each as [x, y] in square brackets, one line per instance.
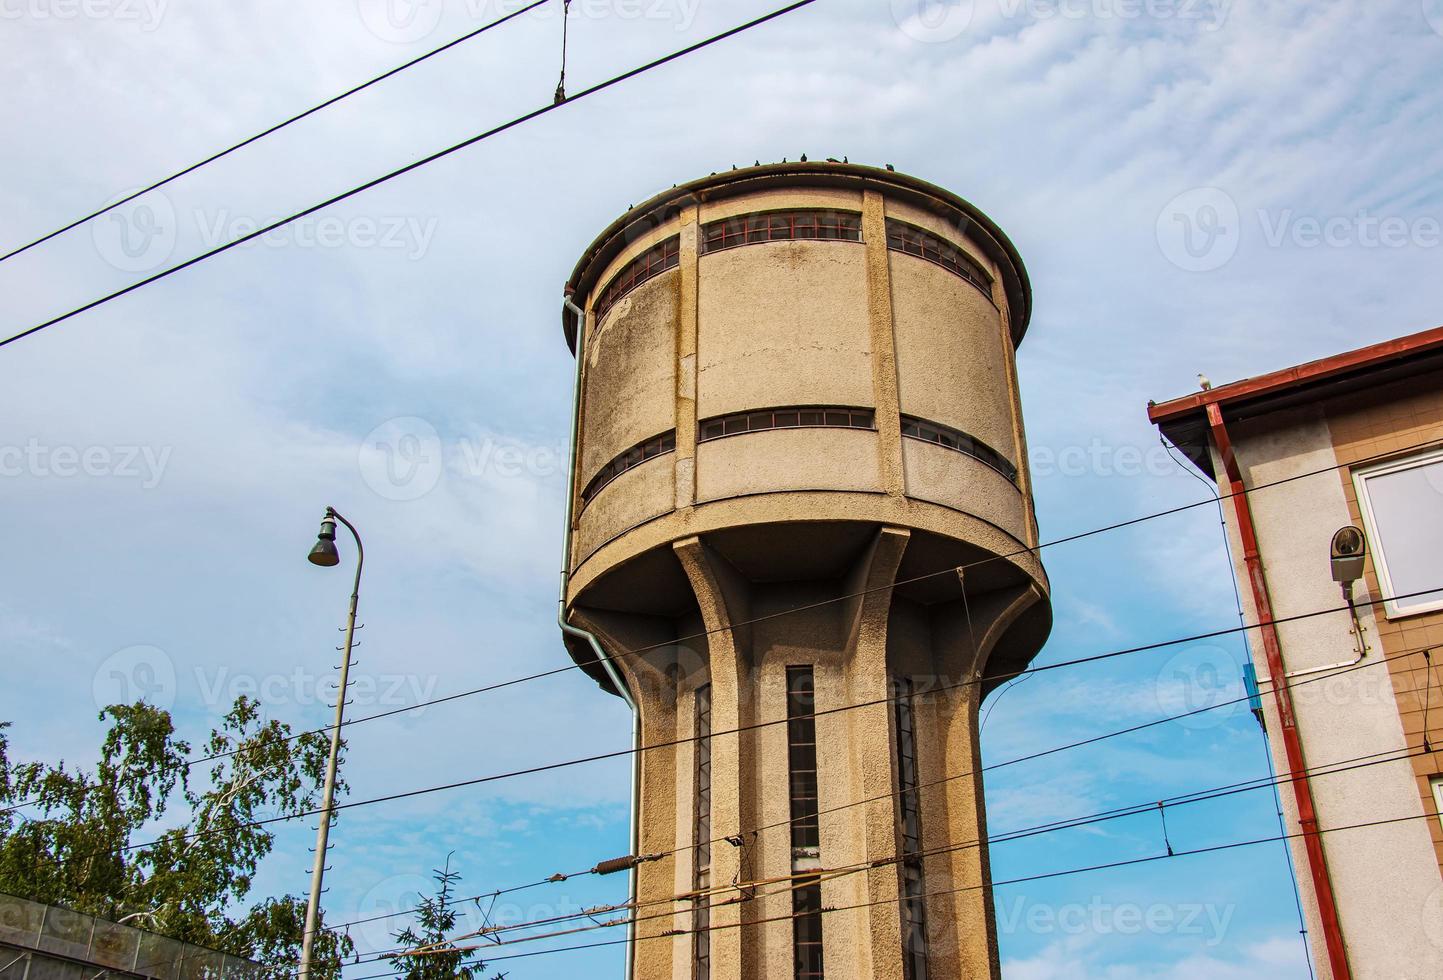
[1402, 504]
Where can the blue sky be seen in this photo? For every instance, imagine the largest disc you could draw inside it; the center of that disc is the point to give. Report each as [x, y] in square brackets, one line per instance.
[1225, 187]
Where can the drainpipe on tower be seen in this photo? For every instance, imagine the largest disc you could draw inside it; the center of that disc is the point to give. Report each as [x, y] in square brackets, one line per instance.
[1288, 730]
[591, 639]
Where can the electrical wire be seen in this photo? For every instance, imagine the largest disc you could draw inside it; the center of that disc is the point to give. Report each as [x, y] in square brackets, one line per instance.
[953, 569]
[1324, 769]
[414, 165]
[179, 838]
[1108, 866]
[1198, 796]
[1212, 491]
[1256, 783]
[275, 128]
[672, 743]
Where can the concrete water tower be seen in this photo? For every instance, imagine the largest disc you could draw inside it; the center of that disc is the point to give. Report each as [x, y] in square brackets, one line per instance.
[797, 418]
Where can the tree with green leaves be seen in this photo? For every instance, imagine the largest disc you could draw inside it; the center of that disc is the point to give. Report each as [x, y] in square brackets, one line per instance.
[86, 840]
[427, 952]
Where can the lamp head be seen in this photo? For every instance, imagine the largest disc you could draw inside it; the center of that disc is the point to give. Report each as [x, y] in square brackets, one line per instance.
[324, 552]
[1346, 554]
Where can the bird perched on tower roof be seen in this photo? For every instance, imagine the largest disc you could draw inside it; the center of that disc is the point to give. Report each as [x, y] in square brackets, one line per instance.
[1204, 383]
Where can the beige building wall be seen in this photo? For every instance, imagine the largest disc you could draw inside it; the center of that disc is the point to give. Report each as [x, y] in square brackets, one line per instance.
[1386, 878]
[721, 562]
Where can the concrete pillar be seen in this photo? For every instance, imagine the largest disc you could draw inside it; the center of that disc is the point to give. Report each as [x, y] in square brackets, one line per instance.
[722, 596]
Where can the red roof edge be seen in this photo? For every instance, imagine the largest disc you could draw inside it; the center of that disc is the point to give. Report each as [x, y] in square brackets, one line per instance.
[1295, 377]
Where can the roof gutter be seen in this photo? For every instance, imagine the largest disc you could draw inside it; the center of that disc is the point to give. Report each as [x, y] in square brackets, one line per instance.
[590, 638]
[1292, 744]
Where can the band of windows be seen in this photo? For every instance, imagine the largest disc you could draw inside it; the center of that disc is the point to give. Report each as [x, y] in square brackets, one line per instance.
[701, 833]
[806, 834]
[785, 418]
[915, 428]
[648, 265]
[781, 226]
[635, 456]
[913, 888]
[902, 237]
[793, 418]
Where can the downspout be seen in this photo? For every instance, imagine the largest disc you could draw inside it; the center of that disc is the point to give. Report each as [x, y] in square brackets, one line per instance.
[606, 662]
[1292, 744]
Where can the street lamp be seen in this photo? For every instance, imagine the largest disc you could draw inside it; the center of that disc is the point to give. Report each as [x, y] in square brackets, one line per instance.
[324, 554]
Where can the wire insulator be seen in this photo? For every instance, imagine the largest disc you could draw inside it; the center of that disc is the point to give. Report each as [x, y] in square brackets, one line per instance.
[624, 863]
[615, 864]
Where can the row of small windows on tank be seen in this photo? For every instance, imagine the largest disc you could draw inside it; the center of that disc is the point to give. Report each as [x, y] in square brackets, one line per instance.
[795, 418]
[648, 265]
[777, 226]
[635, 456]
[780, 226]
[915, 428]
[902, 237]
[785, 418]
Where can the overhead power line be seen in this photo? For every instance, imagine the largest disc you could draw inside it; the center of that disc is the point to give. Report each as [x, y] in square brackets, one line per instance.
[1229, 789]
[1118, 813]
[672, 743]
[951, 569]
[673, 934]
[431, 158]
[126, 199]
[179, 838]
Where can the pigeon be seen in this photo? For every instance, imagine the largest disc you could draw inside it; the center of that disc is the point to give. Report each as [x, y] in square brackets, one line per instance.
[1202, 380]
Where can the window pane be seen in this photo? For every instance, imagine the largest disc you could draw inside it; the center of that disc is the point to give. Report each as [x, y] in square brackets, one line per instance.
[1408, 513]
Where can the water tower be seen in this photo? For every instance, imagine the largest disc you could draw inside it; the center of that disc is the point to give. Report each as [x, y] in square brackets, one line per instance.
[797, 419]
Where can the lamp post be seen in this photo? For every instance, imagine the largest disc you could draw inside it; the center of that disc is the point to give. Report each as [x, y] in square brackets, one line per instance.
[324, 554]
